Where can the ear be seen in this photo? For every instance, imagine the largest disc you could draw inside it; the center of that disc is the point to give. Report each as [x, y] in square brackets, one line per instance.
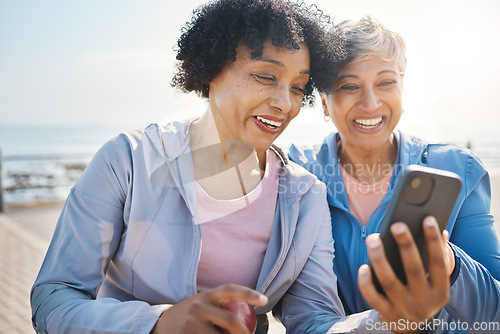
[324, 105]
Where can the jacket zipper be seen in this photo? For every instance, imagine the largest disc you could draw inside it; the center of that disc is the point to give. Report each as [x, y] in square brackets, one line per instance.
[363, 232]
[281, 257]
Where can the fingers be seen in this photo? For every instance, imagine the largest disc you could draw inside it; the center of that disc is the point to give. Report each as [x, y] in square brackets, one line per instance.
[370, 293]
[224, 319]
[446, 236]
[382, 268]
[424, 294]
[216, 317]
[438, 266]
[229, 292]
[410, 257]
[201, 313]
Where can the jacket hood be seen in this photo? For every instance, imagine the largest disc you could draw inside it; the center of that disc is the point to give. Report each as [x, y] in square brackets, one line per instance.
[169, 163]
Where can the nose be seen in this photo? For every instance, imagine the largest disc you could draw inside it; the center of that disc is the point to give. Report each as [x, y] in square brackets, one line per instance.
[369, 100]
[282, 100]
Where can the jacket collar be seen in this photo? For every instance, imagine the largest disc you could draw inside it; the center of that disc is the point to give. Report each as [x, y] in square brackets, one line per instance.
[166, 149]
[411, 150]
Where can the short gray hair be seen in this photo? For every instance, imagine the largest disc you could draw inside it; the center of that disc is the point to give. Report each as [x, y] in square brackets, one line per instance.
[369, 39]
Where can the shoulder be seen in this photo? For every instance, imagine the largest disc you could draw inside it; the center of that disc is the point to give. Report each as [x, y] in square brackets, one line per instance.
[123, 142]
[296, 179]
[459, 160]
[440, 155]
[453, 157]
[144, 145]
[320, 159]
[310, 154]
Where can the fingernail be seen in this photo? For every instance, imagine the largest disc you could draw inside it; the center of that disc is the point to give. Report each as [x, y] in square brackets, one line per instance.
[263, 298]
[363, 274]
[398, 228]
[373, 242]
[430, 222]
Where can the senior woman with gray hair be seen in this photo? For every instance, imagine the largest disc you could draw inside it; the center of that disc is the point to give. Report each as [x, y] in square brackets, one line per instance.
[361, 164]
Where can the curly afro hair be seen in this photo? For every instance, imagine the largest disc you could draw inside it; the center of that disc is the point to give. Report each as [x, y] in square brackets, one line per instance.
[209, 41]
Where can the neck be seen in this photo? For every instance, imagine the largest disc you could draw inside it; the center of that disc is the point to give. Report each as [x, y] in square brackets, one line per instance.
[225, 168]
[368, 167]
[230, 152]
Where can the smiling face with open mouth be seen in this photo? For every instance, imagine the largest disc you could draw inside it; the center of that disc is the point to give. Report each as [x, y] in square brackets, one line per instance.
[255, 99]
[366, 104]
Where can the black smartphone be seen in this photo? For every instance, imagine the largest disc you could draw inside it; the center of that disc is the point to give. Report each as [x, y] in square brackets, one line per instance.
[420, 192]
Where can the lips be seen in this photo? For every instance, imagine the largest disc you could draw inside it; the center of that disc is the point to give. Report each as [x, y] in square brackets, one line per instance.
[269, 124]
[368, 123]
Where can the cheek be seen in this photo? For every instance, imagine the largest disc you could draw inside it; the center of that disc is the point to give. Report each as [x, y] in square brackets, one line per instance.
[397, 105]
[339, 108]
[294, 113]
[339, 122]
[339, 104]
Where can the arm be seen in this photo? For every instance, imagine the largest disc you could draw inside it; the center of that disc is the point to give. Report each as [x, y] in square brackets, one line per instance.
[475, 222]
[475, 294]
[88, 235]
[86, 238]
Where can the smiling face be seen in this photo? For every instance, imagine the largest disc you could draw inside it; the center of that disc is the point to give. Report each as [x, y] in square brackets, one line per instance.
[254, 99]
[365, 105]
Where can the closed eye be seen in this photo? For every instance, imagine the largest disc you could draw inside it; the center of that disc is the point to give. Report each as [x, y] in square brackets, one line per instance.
[348, 87]
[299, 90]
[387, 82]
[264, 79]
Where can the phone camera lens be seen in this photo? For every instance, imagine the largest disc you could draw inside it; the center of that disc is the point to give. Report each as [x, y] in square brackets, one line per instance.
[415, 183]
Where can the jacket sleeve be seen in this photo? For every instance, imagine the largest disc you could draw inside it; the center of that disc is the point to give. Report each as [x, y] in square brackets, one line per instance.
[313, 295]
[475, 291]
[475, 222]
[312, 305]
[86, 238]
[475, 294]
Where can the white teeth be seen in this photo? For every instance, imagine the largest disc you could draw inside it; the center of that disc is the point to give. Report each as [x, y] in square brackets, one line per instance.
[368, 123]
[268, 121]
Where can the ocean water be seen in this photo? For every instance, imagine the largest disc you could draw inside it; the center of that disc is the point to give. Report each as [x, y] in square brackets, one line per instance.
[40, 164]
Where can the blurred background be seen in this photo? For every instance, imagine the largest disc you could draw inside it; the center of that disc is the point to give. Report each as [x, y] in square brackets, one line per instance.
[73, 74]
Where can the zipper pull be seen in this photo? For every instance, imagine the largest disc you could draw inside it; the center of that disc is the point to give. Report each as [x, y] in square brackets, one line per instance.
[363, 232]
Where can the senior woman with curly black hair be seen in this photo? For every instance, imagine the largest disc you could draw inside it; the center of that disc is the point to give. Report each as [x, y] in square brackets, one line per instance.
[168, 223]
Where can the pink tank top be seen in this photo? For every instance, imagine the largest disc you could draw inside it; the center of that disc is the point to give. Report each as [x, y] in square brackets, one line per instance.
[235, 233]
[364, 198]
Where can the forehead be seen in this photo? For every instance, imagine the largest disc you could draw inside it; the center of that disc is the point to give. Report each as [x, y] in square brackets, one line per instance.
[279, 56]
[374, 66]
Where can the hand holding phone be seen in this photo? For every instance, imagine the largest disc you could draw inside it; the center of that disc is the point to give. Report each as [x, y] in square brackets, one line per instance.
[420, 192]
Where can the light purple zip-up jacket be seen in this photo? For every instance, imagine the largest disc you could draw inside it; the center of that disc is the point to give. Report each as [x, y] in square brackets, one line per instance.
[127, 243]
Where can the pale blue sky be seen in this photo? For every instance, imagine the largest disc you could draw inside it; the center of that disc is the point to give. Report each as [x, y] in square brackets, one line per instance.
[64, 62]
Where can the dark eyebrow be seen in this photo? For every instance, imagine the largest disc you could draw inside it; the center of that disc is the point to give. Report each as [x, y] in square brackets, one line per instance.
[280, 64]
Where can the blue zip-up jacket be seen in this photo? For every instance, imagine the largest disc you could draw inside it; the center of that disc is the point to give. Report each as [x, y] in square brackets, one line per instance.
[128, 241]
[475, 290]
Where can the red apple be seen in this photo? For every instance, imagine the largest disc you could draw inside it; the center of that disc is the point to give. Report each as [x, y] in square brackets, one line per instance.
[244, 311]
